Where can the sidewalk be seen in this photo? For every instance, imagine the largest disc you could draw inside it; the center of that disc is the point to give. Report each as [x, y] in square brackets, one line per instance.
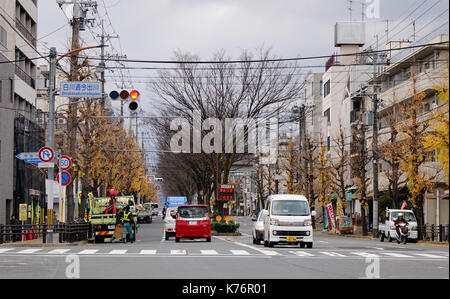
[359, 236]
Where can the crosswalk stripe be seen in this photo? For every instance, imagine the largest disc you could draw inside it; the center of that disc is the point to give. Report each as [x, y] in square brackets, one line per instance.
[5, 249]
[27, 251]
[88, 251]
[58, 251]
[240, 252]
[431, 255]
[301, 253]
[209, 252]
[395, 254]
[178, 252]
[270, 252]
[365, 254]
[147, 251]
[118, 251]
[332, 254]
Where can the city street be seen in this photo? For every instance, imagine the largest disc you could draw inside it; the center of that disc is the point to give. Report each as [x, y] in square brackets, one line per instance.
[226, 257]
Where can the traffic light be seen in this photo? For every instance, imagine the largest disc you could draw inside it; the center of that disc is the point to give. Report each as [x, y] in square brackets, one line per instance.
[125, 95]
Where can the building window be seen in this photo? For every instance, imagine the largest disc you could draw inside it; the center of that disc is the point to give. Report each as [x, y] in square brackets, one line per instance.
[327, 115]
[326, 88]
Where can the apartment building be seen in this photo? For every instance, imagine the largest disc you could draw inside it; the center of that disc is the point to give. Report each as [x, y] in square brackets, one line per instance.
[19, 181]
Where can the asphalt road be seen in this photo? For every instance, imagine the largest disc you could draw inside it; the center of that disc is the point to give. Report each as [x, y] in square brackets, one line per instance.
[226, 257]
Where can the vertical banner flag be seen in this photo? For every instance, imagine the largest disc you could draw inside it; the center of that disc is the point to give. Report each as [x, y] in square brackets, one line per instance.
[330, 213]
[403, 205]
[340, 212]
[91, 197]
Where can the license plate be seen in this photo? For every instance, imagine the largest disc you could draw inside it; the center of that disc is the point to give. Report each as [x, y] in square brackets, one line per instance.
[291, 239]
[192, 222]
[111, 227]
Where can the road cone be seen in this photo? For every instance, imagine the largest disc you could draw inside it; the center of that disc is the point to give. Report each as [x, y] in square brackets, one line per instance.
[30, 237]
[34, 232]
[24, 237]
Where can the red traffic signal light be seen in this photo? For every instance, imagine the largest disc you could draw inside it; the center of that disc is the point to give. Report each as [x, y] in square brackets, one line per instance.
[134, 94]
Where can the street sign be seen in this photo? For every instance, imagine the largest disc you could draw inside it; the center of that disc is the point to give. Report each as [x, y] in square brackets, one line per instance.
[23, 211]
[64, 163]
[226, 192]
[46, 154]
[74, 89]
[66, 178]
[46, 165]
[157, 188]
[150, 179]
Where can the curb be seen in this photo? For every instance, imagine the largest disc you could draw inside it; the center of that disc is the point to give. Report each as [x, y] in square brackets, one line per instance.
[57, 244]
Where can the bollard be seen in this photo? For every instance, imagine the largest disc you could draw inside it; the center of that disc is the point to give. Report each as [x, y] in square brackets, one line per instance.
[440, 232]
[432, 232]
[44, 234]
[1, 233]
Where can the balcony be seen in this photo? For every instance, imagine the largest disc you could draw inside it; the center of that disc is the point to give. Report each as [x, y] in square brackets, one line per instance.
[25, 32]
[25, 77]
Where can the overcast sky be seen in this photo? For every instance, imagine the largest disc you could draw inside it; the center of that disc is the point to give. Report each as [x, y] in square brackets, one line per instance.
[153, 29]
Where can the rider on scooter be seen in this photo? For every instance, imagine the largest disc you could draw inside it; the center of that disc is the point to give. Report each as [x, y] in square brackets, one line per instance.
[399, 220]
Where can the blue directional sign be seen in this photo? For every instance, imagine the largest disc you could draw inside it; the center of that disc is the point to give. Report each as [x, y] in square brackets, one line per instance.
[75, 89]
[31, 157]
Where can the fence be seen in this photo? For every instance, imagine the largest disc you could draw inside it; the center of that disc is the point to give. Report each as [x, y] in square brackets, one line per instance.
[434, 232]
[68, 232]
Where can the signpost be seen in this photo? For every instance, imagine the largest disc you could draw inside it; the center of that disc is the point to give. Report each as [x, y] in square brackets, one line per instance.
[46, 154]
[75, 89]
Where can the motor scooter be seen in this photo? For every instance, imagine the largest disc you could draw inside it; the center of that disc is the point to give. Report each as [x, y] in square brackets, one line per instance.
[403, 229]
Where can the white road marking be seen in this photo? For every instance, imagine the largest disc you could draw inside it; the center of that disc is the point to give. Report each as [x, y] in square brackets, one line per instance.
[365, 254]
[396, 254]
[147, 251]
[58, 251]
[4, 249]
[332, 254]
[270, 252]
[209, 252]
[301, 253]
[27, 251]
[431, 256]
[88, 251]
[118, 251]
[178, 252]
[240, 252]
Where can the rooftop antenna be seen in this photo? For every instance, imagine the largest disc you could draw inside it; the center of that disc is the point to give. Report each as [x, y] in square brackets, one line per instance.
[350, 3]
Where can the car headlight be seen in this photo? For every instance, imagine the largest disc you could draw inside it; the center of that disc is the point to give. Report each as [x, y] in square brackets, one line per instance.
[260, 228]
[274, 232]
[307, 222]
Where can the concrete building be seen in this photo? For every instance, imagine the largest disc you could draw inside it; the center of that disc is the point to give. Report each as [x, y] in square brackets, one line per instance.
[429, 64]
[19, 182]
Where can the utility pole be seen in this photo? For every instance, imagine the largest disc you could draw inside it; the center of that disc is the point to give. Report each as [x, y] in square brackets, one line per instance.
[375, 149]
[103, 39]
[51, 139]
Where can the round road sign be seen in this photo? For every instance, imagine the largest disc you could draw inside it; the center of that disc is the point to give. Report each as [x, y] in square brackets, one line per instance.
[64, 163]
[46, 154]
[65, 178]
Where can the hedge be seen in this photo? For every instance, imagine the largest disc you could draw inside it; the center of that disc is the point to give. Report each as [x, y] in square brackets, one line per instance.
[224, 227]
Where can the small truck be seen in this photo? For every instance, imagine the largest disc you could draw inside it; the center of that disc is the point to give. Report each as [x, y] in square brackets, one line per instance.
[387, 229]
[104, 224]
[144, 213]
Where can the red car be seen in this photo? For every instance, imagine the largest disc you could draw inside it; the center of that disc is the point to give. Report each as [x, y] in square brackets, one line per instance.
[192, 222]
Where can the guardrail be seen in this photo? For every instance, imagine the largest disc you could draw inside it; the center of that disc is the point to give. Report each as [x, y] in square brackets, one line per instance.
[68, 232]
[434, 232]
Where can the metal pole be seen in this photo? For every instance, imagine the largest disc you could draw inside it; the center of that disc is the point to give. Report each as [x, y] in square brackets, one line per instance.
[375, 151]
[51, 138]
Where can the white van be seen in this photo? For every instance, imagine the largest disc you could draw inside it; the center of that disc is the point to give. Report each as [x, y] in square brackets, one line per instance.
[288, 220]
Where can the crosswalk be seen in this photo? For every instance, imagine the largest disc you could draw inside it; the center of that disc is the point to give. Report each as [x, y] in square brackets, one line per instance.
[230, 252]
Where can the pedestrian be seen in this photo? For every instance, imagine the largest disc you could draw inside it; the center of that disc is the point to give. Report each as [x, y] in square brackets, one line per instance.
[119, 228]
[128, 222]
[15, 229]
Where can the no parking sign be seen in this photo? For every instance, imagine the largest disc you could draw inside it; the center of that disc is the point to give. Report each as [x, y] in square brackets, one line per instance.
[64, 178]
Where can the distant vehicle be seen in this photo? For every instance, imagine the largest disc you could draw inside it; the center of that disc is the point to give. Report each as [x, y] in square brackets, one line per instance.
[169, 220]
[258, 228]
[175, 201]
[387, 229]
[288, 220]
[155, 209]
[104, 224]
[192, 221]
[144, 213]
